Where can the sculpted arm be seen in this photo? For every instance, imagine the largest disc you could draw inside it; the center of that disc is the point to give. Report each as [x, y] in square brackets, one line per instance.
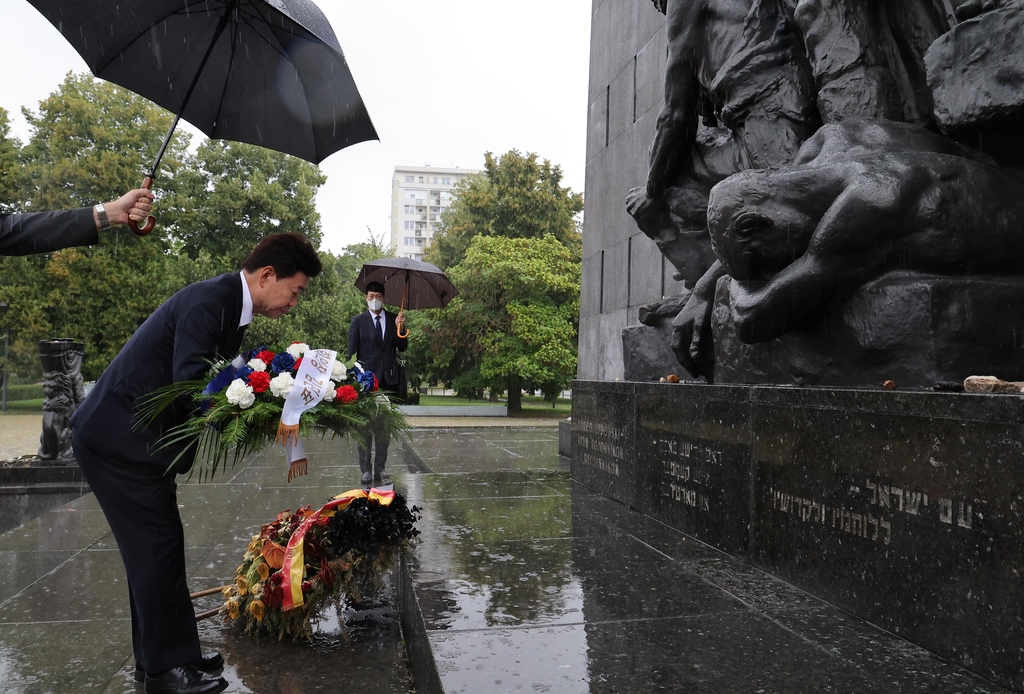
[691, 328]
[677, 122]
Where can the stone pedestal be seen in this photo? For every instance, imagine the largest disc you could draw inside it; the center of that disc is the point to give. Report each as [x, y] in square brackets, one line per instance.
[913, 329]
[902, 508]
[646, 355]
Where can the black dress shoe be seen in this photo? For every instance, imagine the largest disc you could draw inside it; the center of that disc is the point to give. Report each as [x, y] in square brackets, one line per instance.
[185, 679]
[208, 662]
[367, 478]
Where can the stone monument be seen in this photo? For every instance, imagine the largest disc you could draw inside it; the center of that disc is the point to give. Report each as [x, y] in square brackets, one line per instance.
[828, 195]
[64, 392]
[882, 78]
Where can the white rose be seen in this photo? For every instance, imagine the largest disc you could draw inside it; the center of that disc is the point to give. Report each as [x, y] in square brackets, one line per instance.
[281, 385]
[257, 365]
[240, 393]
[330, 392]
[338, 371]
[297, 350]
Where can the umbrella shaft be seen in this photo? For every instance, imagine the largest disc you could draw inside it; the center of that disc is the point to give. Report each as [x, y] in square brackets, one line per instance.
[209, 49]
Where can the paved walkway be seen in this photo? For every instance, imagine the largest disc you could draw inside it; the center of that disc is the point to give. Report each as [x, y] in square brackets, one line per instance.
[525, 582]
[19, 434]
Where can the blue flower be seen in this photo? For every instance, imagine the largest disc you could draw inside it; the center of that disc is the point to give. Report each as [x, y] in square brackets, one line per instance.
[282, 363]
[367, 380]
[253, 352]
[243, 373]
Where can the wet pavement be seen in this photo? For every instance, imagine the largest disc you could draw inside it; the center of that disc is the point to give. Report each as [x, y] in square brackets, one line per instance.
[525, 582]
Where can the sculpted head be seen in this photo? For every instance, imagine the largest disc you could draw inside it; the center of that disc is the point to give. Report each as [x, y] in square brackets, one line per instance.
[759, 221]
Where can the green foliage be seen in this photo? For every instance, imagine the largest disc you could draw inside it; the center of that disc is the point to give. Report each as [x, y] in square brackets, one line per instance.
[11, 171]
[230, 195]
[91, 141]
[511, 243]
[28, 391]
[516, 319]
[517, 196]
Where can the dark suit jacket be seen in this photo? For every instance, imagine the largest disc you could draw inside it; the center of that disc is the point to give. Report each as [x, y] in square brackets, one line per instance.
[45, 232]
[196, 325]
[379, 356]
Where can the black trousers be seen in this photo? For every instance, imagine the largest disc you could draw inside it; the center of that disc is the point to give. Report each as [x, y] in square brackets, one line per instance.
[380, 443]
[141, 506]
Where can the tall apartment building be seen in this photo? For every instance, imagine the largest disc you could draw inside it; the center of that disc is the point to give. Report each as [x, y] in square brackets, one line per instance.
[419, 196]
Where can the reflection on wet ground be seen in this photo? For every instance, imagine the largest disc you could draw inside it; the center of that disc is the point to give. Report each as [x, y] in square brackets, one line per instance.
[525, 581]
[528, 583]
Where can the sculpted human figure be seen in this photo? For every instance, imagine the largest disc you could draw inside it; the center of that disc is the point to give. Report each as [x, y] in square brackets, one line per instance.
[863, 198]
[740, 65]
[868, 56]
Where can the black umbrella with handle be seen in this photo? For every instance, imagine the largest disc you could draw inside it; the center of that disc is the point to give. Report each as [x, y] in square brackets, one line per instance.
[408, 283]
[265, 72]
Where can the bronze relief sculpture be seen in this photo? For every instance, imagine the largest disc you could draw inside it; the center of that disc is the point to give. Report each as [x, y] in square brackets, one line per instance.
[819, 200]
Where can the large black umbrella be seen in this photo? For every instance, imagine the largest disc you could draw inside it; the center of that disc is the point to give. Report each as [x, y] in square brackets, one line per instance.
[266, 72]
[408, 283]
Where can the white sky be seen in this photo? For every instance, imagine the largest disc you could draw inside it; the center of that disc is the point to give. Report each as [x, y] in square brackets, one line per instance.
[443, 81]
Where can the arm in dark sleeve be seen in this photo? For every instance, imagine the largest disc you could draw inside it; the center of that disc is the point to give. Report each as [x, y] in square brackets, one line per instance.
[200, 336]
[45, 232]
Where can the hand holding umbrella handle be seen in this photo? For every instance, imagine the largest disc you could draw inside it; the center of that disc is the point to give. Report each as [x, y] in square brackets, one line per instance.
[150, 223]
[401, 312]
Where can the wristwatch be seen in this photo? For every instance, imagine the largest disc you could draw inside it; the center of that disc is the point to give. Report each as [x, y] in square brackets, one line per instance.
[102, 214]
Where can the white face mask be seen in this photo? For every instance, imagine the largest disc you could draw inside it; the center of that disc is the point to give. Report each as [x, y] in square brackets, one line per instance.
[374, 304]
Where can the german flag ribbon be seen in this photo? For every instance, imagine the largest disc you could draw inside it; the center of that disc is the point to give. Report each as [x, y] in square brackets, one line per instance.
[293, 569]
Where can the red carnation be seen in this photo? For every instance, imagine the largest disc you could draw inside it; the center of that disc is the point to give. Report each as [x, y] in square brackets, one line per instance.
[266, 356]
[346, 394]
[376, 384]
[260, 381]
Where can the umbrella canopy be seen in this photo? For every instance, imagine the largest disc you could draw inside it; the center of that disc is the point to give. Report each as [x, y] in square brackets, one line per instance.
[266, 72]
[421, 284]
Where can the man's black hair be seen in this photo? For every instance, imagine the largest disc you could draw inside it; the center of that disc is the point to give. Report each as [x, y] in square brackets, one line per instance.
[287, 253]
[375, 287]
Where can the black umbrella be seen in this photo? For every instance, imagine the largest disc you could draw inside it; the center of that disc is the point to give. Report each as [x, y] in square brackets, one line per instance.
[266, 72]
[408, 283]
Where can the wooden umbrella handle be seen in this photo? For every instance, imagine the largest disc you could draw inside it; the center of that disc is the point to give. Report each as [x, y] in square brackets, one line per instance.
[150, 222]
[400, 310]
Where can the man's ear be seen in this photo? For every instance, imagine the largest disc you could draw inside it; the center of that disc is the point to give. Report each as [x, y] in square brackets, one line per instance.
[265, 274]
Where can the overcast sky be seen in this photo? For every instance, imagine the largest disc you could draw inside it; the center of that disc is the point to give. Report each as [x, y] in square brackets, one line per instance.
[444, 82]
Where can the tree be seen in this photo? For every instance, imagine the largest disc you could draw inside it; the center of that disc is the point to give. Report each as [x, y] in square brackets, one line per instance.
[11, 170]
[231, 194]
[89, 142]
[516, 318]
[517, 196]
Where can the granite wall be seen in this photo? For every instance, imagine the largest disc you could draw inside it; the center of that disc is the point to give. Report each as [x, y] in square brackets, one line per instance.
[904, 509]
[622, 268]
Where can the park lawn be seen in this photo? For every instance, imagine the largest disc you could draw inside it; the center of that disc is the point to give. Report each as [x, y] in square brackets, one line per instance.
[454, 401]
[23, 406]
[534, 406]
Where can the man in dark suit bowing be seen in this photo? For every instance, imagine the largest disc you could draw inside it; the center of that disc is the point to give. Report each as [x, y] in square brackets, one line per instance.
[130, 474]
[45, 232]
[373, 339]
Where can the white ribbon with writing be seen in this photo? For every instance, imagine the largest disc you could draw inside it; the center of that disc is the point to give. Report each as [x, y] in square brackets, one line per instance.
[311, 383]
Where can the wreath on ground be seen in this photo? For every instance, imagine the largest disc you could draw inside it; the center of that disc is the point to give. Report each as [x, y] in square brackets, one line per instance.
[304, 562]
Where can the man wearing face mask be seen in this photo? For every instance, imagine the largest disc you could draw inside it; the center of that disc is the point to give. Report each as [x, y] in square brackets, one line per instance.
[373, 340]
